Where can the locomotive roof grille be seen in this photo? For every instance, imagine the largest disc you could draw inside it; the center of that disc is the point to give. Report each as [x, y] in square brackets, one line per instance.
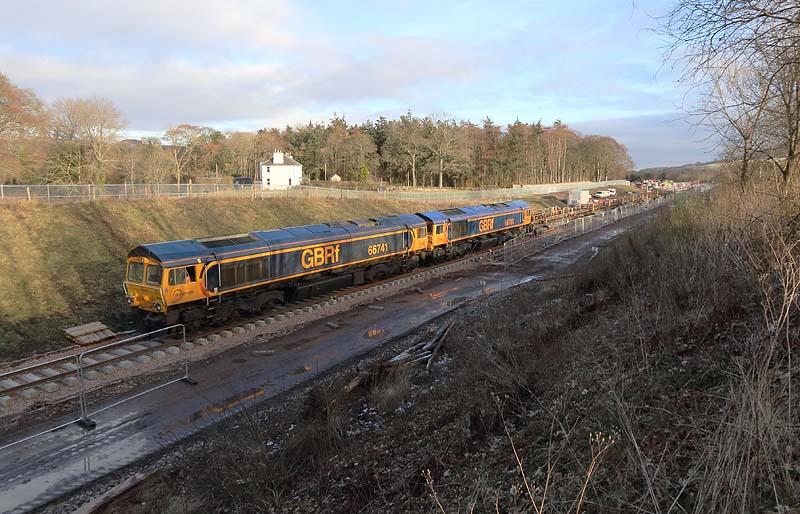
[333, 224]
[217, 242]
[452, 211]
[365, 222]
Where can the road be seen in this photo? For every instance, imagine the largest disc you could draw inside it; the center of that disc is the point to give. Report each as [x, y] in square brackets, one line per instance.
[38, 471]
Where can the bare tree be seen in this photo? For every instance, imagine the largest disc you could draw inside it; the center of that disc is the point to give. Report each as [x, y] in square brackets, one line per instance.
[708, 35]
[734, 108]
[130, 160]
[244, 151]
[22, 122]
[94, 123]
[745, 55]
[184, 140]
[156, 161]
[782, 129]
[21, 112]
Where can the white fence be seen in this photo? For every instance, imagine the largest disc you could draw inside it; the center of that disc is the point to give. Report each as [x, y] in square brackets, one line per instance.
[89, 192]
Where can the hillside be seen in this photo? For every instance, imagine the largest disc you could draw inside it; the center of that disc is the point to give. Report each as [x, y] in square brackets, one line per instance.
[702, 171]
[66, 261]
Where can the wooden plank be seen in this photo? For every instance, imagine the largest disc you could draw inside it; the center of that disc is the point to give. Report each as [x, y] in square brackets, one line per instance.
[85, 329]
[89, 333]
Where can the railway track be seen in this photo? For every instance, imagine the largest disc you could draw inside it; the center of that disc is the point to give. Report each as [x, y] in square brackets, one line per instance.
[50, 376]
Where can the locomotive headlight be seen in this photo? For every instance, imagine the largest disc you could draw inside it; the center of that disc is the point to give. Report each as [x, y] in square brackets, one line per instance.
[157, 306]
[130, 300]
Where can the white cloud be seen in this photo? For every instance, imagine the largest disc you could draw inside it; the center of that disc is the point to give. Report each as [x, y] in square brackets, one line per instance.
[165, 26]
[250, 63]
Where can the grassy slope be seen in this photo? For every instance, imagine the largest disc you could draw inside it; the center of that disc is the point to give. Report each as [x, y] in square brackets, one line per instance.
[64, 263]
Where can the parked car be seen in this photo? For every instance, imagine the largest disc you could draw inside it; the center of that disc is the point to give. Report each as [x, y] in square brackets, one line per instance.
[612, 191]
[602, 193]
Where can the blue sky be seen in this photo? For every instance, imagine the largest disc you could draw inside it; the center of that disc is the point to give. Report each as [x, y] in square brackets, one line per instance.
[246, 64]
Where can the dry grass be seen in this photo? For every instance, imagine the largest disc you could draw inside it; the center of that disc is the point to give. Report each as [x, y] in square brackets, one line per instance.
[680, 339]
[391, 388]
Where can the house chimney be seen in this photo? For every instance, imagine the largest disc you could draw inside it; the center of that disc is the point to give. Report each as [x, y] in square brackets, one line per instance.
[277, 157]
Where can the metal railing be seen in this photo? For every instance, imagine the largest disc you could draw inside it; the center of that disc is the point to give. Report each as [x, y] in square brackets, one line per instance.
[84, 418]
[90, 192]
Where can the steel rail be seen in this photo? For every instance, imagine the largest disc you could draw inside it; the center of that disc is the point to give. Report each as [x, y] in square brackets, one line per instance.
[9, 375]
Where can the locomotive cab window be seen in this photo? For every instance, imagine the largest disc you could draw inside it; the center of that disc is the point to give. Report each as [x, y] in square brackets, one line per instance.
[439, 229]
[154, 275]
[212, 278]
[177, 276]
[422, 232]
[135, 272]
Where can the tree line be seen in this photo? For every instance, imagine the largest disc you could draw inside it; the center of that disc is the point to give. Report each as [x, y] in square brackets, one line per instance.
[79, 140]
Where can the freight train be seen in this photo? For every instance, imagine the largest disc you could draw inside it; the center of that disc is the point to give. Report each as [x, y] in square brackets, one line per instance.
[199, 281]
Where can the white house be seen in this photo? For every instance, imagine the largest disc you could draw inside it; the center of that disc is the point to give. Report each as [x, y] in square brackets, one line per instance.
[281, 172]
[335, 178]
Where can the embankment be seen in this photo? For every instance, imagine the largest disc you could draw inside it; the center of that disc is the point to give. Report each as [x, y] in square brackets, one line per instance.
[63, 263]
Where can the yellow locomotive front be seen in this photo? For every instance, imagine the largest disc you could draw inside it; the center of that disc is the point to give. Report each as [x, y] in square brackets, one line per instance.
[159, 290]
[144, 285]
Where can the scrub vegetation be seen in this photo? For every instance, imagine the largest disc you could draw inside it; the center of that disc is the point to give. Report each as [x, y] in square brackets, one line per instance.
[659, 377]
[65, 262]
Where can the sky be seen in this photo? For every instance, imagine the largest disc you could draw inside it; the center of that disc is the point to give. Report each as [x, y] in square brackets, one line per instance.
[246, 64]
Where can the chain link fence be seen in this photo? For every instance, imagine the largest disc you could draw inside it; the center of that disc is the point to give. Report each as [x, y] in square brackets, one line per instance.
[89, 192]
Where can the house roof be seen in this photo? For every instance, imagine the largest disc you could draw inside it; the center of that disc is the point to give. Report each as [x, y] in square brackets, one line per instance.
[287, 161]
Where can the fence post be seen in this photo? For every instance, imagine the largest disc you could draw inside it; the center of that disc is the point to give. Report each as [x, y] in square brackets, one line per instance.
[2, 193]
[28, 189]
[48, 193]
[189, 189]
